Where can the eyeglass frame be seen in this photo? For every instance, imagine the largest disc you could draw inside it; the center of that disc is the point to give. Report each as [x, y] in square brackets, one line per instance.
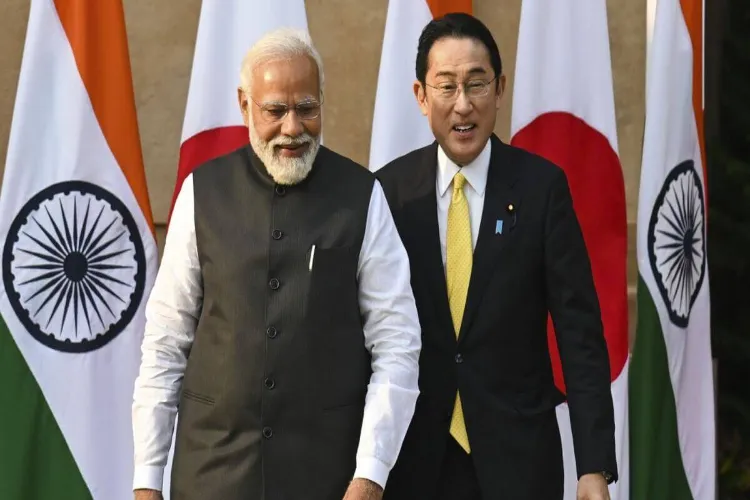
[282, 105]
[454, 95]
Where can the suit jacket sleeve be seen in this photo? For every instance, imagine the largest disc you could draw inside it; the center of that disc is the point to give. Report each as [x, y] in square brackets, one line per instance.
[574, 307]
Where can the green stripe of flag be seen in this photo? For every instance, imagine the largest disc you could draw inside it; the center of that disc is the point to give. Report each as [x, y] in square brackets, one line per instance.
[656, 469]
[35, 461]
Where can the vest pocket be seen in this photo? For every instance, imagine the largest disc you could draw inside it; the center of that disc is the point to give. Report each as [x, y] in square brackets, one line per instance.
[333, 295]
[335, 325]
[198, 398]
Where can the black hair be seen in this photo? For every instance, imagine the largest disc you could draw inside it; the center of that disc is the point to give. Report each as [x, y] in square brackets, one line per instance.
[456, 25]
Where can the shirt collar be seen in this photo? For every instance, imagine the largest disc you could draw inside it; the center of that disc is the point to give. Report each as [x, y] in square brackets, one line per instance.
[475, 172]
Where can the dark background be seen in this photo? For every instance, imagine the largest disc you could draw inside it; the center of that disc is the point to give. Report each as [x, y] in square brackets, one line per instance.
[727, 64]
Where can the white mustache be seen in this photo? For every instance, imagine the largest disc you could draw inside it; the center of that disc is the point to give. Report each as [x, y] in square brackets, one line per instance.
[291, 141]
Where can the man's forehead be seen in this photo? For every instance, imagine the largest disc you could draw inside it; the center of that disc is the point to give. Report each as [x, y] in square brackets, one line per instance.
[295, 76]
[459, 54]
[298, 66]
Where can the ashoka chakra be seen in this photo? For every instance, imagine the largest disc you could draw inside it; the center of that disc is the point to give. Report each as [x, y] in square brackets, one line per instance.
[676, 241]
[74, 266]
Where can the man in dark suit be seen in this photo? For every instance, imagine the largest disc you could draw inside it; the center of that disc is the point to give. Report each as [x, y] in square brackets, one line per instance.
[495, 246]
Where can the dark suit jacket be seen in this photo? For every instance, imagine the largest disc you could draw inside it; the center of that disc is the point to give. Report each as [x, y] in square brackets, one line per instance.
[501, 362]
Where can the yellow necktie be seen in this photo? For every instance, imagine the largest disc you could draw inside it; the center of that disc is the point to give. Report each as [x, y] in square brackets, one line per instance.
[458, 270]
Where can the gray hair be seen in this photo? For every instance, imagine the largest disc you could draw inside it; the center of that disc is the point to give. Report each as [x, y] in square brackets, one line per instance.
[283, 43]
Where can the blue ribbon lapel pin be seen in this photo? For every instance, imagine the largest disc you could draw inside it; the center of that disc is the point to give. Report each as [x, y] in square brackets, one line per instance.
[499, 226]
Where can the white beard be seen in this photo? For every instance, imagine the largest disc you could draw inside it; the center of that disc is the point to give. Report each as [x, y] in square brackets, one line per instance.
[283, 170]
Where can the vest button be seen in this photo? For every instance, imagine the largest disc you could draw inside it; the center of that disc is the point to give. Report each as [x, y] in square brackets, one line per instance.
[270, 384]
[274, 284]
[280, 190]
[267, 432]
[459, 358]
[271, 332]
[277, 234]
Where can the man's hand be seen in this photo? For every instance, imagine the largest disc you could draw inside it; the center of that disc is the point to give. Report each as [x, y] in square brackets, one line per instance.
[363, 489]
[592, 487]
[148, 495]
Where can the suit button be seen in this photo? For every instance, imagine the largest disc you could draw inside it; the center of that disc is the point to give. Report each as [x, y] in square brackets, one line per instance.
[280, 190]
[459, 358]
[271, 332]
[269, 383]
[274, 284]
[276, 234]
[267, 432]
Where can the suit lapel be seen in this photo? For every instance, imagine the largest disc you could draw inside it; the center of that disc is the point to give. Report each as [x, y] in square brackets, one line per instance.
[423, 208]
[495, 229]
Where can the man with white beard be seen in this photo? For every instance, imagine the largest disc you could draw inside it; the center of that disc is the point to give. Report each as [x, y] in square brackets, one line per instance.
[282, 322]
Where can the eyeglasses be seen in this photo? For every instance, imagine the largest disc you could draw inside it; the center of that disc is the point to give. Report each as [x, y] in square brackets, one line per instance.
[273, 112]
[472, 88]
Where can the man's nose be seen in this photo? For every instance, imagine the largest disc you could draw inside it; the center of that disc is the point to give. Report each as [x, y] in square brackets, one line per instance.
[292, 125]
[463, 103]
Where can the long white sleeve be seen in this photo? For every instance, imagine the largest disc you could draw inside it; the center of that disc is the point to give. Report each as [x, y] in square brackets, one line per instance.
[172, 314]
[393, 337]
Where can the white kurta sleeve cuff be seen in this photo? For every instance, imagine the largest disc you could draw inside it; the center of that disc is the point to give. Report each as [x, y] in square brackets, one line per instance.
[373, 469]
[148, 477]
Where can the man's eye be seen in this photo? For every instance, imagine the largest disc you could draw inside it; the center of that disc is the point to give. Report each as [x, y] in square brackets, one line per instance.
[276, 112]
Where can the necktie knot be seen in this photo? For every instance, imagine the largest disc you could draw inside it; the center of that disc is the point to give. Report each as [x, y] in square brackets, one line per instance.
[458, 184]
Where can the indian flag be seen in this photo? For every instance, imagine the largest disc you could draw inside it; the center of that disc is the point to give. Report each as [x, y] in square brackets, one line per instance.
[78, 260]
[563, 110]
[398, 125]
[672, 423]
[213, 123]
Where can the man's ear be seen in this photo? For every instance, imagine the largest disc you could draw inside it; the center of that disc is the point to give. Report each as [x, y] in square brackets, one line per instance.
[419, 93]
[242, 100]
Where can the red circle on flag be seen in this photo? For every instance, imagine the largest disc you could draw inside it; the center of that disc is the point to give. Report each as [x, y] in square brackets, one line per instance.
[596, 183]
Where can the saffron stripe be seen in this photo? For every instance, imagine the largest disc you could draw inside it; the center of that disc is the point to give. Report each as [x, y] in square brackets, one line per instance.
[442, 7]
[692, 11]
[96, 32]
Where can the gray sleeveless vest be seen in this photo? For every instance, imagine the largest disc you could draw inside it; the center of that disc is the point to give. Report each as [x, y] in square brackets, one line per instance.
[274, 390]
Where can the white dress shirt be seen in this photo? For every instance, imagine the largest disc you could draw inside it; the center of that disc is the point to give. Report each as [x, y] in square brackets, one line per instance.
[476, 182]
[391, 331]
